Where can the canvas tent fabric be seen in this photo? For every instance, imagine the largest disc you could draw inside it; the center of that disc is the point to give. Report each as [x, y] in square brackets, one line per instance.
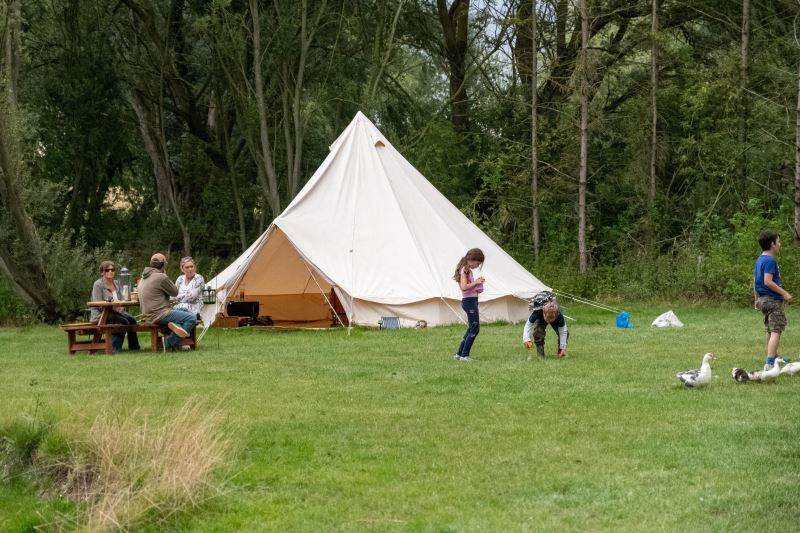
[371, 230]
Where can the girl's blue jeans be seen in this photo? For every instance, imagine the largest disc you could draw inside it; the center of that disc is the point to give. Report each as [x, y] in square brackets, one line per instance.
[470, 306]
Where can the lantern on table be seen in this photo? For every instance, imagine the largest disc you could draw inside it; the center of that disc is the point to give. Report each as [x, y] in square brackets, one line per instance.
[124, 280]
[209, 295]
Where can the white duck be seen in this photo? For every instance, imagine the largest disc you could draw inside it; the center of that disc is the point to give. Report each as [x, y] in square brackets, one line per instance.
[698, 377]
[791, 368]
[764, 376]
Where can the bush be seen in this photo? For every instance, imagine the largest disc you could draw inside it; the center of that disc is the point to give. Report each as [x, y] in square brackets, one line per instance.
[12, 309]
[714, 262]
[72, 268]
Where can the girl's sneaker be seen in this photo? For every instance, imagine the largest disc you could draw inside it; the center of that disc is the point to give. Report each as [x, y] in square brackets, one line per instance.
[466, 359]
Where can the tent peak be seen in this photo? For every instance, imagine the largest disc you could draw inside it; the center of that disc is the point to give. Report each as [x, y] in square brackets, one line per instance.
[376, 136]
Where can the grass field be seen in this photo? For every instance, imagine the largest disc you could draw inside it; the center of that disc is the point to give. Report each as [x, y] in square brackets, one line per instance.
[384, 431]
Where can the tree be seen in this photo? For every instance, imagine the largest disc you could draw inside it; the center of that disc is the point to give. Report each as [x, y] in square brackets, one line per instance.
[797, 163]
[151, 120]
[534, 132]
[743, 87]
[21, 258]
[148, 45]
[584, 136]
[293, 77]
[455, 33]
[654, 104]
[264, 153]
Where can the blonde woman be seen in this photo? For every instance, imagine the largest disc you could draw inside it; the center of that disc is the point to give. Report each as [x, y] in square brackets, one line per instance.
[190, 288]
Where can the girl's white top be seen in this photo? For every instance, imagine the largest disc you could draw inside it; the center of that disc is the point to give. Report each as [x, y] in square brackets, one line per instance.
[190, 293]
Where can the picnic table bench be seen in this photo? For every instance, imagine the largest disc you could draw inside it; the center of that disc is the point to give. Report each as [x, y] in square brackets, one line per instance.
[98, 336]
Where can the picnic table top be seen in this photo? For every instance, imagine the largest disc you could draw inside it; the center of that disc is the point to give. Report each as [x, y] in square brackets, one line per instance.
[124, 303]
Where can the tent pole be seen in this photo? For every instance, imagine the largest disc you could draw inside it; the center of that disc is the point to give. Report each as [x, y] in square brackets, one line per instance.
[453, 310]
[327, 301]
[216, 310]
[350, 317]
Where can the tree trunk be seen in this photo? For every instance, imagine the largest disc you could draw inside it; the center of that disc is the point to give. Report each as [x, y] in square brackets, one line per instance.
[287, 124]
[654, 105]
[743, 96]
[306, 36]
[12, 45]
[265, 154]
[19, 290]
[237, 200]
[26, 270]
[584, 127]
[155, 144]
[292, 109]
[223, 129]
[797, 163]
[455, 26]
[388, 48]
[534, 133]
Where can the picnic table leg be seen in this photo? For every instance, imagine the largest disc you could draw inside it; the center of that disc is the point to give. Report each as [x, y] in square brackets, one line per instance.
[154, 339]
[109, 337]
[97, 337]
[71, 342]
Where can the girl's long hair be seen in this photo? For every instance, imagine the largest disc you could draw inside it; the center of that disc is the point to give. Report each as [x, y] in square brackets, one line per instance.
[476, 254]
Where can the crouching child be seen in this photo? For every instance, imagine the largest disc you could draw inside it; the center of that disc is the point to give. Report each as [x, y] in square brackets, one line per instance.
[545, 310]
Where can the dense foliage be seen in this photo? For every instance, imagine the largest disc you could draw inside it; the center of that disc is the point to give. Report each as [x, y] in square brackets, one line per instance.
[187, 125]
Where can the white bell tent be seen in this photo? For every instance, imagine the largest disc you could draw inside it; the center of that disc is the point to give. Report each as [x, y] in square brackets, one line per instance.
[370, 231]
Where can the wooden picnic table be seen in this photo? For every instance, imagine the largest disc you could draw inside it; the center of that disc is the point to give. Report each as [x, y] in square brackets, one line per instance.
[106, 307]
[101, 332]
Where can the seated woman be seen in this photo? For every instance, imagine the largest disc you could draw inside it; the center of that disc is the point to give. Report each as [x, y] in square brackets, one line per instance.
[105, 290]
[190, 288]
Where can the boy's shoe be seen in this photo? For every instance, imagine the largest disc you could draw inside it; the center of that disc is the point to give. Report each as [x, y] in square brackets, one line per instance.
[466, 359]
[177, 330]
[456, 357]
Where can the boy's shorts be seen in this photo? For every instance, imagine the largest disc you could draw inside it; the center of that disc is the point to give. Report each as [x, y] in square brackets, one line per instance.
[774, 317]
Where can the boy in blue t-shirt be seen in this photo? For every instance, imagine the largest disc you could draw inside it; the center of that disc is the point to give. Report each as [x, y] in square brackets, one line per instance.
[768, 294]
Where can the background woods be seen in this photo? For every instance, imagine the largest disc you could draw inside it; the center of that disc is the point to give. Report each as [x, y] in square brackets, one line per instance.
[628, 148]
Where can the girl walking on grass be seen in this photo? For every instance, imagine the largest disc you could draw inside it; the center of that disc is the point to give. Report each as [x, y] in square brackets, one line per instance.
[470, 289]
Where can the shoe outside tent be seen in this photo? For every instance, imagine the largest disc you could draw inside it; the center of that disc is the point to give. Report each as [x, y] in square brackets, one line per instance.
[367, 237]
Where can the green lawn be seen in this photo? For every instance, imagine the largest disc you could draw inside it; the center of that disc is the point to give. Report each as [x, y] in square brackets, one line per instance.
[384, 431]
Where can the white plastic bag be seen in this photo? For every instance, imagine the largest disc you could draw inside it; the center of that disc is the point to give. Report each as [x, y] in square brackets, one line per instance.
[667, 320]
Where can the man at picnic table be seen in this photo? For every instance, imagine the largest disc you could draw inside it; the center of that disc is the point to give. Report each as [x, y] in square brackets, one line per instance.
[155, 290]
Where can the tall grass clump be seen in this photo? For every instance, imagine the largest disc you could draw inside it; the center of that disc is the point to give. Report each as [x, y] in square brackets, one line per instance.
[126, 468]
[151, 467]
[20, 441]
